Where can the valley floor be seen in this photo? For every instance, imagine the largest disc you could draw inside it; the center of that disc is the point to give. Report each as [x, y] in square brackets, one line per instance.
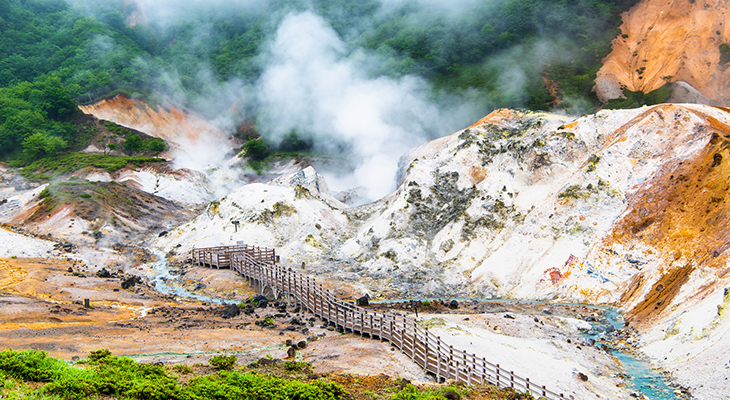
[42, 308]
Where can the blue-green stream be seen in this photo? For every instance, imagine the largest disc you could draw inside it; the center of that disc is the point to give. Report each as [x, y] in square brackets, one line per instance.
[640, 376]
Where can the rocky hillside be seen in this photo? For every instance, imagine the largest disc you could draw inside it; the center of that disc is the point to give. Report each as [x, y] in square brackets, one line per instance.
[190, 137]
[676, 41]
[97, 212]
[623, 208]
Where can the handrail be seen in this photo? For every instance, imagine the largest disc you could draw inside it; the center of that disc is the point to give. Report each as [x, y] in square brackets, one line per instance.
[423, 347]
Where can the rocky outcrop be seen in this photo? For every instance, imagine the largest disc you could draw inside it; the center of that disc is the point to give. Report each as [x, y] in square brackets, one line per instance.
[675, 41]
[625, 208]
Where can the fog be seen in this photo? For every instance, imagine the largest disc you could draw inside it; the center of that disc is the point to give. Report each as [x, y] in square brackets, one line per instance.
[324, 86]
[310, 85]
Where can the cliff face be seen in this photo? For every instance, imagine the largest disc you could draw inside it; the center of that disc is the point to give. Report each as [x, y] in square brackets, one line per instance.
[181, 129]
[670, 41]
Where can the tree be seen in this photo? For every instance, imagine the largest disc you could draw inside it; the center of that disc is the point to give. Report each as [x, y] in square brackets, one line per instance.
[155, 145]
[256, 150]
[133, 144]
[39, 144]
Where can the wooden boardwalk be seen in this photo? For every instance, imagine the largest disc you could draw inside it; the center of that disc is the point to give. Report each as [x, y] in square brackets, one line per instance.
[426, 349]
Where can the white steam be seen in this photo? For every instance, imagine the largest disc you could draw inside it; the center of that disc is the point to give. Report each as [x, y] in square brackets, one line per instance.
[310, 85]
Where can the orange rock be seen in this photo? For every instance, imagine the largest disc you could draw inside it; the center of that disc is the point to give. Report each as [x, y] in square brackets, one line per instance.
[665, 41]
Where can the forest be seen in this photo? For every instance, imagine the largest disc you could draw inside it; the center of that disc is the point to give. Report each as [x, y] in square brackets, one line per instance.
[57, 53]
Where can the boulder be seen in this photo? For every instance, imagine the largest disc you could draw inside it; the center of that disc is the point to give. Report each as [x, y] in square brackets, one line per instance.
[363, 301]
[103, 273]
[230, 311]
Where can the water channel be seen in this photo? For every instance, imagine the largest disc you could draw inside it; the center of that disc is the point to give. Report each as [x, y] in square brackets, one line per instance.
[640, 376]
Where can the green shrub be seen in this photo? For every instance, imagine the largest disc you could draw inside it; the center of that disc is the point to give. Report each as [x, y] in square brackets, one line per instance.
[183, 369]
[133, 144]
[297, 366]
[51, 167]
[31, 365]
[256, 150]
[724, 53]
[223, 362]
[98, 355]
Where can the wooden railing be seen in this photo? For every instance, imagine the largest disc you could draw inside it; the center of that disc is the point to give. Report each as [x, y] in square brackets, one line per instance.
[221, 256]
[415, 341]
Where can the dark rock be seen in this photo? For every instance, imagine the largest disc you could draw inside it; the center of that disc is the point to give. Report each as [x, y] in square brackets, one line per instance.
[289, 342]
[131, 281]
[452, 395]
[583, 377]
[547, 312]
[260, 301]
[302, 344]
[363, 301]
[590, 319]
[163, 233]
[537, 320]
[199, 286]
[509, 316]
[230, 311]
[103, 273]
[158, 364]
[453, 304]
[248, 310]
[267, 361]
[291, 352]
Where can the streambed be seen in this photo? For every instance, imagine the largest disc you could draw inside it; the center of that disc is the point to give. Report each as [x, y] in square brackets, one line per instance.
[596, 329]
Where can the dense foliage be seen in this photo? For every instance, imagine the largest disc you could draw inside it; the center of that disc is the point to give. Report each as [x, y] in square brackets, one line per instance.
[57, 52]
[95, 52]
[50, 167]
[103, 375]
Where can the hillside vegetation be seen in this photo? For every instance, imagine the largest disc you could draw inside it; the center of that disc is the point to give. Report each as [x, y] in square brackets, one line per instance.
[34, 374]
[54, 53]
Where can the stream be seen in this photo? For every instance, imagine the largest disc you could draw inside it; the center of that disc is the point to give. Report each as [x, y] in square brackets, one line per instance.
[640, 376]
[163, 281]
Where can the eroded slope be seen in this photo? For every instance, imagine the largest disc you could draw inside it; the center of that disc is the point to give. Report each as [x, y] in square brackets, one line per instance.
[670, 41]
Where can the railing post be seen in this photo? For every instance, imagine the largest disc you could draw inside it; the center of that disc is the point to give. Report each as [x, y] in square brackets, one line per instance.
[451, 361]
[415, 332]
[438, 359]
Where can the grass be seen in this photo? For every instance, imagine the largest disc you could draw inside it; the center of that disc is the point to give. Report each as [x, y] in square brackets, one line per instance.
[31, 374]
[52, 167]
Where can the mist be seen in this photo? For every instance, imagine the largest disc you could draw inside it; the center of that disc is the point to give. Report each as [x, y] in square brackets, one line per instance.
[311, 85]
[317, 80]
